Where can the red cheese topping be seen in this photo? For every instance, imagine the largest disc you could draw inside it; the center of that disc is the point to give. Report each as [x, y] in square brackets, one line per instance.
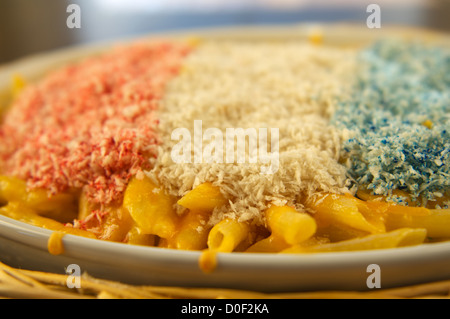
[91, 124]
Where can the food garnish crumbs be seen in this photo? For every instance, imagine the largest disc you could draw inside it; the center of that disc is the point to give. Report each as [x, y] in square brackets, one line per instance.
[90, 124]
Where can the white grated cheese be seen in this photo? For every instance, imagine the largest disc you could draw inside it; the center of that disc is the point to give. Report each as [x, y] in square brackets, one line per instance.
[290, 86]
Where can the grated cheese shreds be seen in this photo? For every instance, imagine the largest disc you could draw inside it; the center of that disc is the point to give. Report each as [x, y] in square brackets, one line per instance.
[90, 124]
[291, 86]
[398, 122]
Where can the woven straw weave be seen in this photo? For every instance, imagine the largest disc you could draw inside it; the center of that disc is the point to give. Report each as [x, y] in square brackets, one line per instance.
[25, 284]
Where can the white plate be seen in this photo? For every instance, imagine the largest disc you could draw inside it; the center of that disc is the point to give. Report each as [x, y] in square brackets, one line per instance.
[22, 245]
[25, 246]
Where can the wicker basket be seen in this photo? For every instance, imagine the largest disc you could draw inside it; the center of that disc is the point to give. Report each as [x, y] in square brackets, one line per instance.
[25, 284]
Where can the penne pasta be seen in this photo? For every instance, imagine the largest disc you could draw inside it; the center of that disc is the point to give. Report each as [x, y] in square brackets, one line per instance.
[337, 233]
[204, 197]
[192, 232]
[396, 238]
[271, 244]
[24, 214]
[290, 225]
[343, 210]
[228, 235]
[136, 237]
[61, 206]
[115, 223]
[435, 221]
[151, 208]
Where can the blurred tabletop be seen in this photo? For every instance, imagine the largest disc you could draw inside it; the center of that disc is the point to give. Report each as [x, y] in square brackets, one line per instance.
[28, 27]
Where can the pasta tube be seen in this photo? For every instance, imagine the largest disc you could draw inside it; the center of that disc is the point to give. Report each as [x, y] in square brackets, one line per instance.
[24, 214]
[397, 238]
[289, 224]
[115, 224]
[344, 210]
[435, 221]
[192, 232]
[136, 237]
[204, 197]
[227, 235]
[271, 244]
[61, 207]
[151, 208]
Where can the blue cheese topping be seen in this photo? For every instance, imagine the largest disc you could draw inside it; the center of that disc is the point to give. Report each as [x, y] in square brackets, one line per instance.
[397, 122]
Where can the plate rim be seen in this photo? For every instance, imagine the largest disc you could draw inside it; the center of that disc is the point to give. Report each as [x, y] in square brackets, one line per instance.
[42, 235]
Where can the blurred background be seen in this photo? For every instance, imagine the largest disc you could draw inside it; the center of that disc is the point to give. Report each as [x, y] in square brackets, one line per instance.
[32, 26]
